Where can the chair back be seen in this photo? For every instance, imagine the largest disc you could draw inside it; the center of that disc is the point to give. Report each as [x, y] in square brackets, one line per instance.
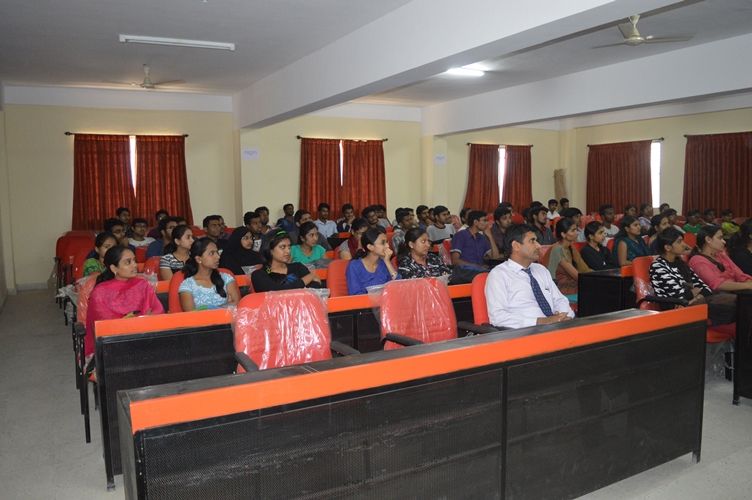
[585, 220]
[173, 298]
[417, 308]
[141, 253]
[610, 244]
[579, 245]
[277, 329]
[543, 259]
[84, 291]
[152, 265]
[642, 285]
[517, 219]
[478, 299]
[336, 280]
[690, 239]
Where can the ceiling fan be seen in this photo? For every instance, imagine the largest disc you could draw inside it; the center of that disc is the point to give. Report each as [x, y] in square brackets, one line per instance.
[633, 38]
[147, 82]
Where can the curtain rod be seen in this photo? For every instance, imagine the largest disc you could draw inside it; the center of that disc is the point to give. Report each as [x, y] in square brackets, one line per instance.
[505, 145]
[382, 140]
[94, 133]
[721, 133]
[658, 139]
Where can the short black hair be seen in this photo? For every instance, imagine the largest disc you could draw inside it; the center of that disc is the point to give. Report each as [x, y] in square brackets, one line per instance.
[693, 213]
[517, 233]
[570, 212]
[160, 212]
[439, 209]
[563, 201]
[474, 215]
[727, 211]
[299, 214]
[163, 222]
[262, 208]
[708, 211]
[249, 216]
[370, 208]
[553, 200]
[287, 205]
[140, 220]
[420, 208]
[500, 212]
[400, 214]
[210, 218]
[112, 222]
[347, 206]
[120, 210]
[602, 209]
[323, 206]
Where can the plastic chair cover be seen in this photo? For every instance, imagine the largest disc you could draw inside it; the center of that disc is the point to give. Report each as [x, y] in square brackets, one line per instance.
[84, 288]
[642, 286]
[284, 328]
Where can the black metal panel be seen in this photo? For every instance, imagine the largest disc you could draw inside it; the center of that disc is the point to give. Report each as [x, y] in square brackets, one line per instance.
[600, 292]
[743, 347]
[586, 419]
[425, 440]
[132, 361]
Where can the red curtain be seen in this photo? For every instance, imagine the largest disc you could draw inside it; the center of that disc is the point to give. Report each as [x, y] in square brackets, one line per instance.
[162, 181]
[718, 173]
[482, 178]
[363, 173]
[518, 177]
[101, 179]
[618, 174]
[319, 174]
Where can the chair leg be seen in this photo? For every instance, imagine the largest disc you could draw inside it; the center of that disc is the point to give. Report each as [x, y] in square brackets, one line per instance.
[96, 395]
[84, 391]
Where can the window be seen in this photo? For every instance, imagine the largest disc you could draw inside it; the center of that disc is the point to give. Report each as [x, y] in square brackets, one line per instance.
[132, 145]
[655, 172]
[502, 169]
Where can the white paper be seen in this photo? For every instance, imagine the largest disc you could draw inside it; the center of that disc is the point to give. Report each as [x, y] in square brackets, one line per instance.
[250, 154]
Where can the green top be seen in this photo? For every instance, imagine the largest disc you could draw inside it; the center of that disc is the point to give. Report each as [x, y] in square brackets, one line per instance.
[298, 256]
[92, 266]
[691, 229]
[729, 228]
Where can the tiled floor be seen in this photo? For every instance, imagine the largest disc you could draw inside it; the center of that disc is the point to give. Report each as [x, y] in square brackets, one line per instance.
[43, 454]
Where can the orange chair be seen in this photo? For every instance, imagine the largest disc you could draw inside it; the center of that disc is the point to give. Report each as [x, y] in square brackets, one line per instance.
[579, 245]
[141, 253]
[336, 280]
[173, 297]
[277, 329]
[646, 299]
[416, 311]
[690, 239]
[585, 220]
[517, 219]
[610, 244]
[152, 265]
[543, 259]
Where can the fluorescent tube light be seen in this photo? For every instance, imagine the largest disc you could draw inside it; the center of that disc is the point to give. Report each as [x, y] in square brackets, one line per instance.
[177, 42]
[465, 72]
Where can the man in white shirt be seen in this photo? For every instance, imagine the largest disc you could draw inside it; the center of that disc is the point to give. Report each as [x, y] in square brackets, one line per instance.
[608, 216]
[442, 229]
[139, 238]
[519, 291]
[327, 227]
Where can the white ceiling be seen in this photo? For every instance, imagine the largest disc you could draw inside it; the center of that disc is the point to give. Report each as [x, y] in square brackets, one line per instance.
[75, 42]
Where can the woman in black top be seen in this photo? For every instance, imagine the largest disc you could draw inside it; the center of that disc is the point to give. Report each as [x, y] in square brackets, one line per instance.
[741, 247]
[595, 255]
[238, 252]
[415, 260]
[279, 273]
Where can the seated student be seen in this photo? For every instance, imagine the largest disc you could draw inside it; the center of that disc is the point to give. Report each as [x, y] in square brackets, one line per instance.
[301, 217]
[213, 227]
[671, 214]
[631, 210]
[646, 213]
[117, 228]
[502, 220]
[552, 213]
[519, 291]
[421, 212]
[176, 253]
[416, 260]
[710, 262]
[307, 251]
[538, 219]
[609, 228]
[375, 267]
[596, 255]
[629, 243]
[155, 232]
[287, 223]
[728, 226]
[239, 252]
[576, 215]
[327, 228]
[463, 218]
[352, 247]
[473, 246]
[166, 225]
[254, 223]
[564, 260]
[657, 224]
[204, 287]
[263, 213]
[139, 238]
[671, 277]
[370, 215]
[348, 216]
[124, 215]
[563, 204]
[405, 220]
[740, 249]
[103, 242]
[223, 233]
[694, 222]
[709, 216]
[663, 207]
[441, 229]
[280, 273]
[383, 221]
[119, 293]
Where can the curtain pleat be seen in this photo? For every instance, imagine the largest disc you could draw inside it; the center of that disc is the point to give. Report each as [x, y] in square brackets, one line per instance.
[618, 174]
[518, 177]
[319, 174]
[364, 177]
[482, 178]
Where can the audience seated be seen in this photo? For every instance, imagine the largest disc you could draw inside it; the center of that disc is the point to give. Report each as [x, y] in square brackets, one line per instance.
[607, 218]
[520, 292]
[576, 215]
[415, 259]
[280, 273]
[375, 267]
[423, 220]
[463, 219]
[383, 221]
[352, 248]
[103, 242]
[709, 216]
[155, 231]
[119, 293]
[348, 216]
[117, 228]
[596, 255]
[553, 205]
[564, 261]
[213, 228]
[308, 251]
[538, 218]
[176, 253]
[301, 217]
[370, 215]
[631, 210]
[475, 245]
[563, 205]
[204, 287]
[327, 228]
[657, 224]
[694, 222]
[740, 249]
[239, 252]
[157, 247]
[710, 262]
[287, 223]
[123, 214]
[254, 223]
[405, 220]
[728, 226]
[672, 214]
[263, 213]
[139, 238]
[646, 213]
[502, 221]
[441, 229]
[629, 243]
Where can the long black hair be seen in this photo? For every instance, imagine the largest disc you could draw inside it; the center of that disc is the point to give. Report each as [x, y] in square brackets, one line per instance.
[305, 228]
[112, 258]
[278, 238]
[626, 221]
[741, 239]
[706, 231]
[370, 237]
[591, 228]
[665, 238]
[191, 266]
[562, 226]
[177, 233]
[411, 236]
[102, 237]
[655, 221]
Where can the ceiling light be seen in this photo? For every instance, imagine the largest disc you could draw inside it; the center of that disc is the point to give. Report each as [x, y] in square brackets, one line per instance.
[465, 72]
[177, 42]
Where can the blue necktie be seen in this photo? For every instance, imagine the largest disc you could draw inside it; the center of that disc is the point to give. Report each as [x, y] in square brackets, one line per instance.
[539, 297]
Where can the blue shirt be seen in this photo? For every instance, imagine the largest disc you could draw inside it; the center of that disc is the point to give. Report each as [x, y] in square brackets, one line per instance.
[358, 277]
[471, 248]
[155, 249]
[203, 297]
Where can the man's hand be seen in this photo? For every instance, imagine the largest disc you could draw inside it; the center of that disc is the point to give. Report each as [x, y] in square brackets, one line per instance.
[556, 318]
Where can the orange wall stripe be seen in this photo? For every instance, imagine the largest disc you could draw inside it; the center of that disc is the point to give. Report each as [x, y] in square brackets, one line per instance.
[270, 393]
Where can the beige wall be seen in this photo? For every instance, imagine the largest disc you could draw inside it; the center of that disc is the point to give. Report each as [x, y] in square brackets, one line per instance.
[273, 179]
[4, 210]
[40, 170]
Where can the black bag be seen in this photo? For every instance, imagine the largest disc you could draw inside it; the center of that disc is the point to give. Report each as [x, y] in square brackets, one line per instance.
[721, 308]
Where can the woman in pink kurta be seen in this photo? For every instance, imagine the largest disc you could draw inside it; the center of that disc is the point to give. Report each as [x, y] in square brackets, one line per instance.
[710, 262]
[119, 293]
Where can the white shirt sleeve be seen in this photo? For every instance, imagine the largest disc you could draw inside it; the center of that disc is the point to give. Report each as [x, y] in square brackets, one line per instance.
[500, 293]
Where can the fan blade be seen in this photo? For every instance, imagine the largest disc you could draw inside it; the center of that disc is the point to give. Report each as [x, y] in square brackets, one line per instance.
[629, 30]
[114, 82]
[169, 82]
[668, 39]
[609, 45]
